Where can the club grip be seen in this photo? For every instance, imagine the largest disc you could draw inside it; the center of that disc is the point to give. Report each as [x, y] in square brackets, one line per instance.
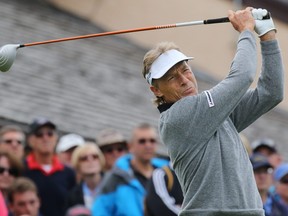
[226, 19]
[218, 20]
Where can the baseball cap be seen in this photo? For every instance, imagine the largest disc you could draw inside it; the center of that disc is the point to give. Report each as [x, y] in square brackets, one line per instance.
[281, 171]
[109, 136]
[40, 122]
[258, 160]
[266, 142]
[68, 141]
[163, 63]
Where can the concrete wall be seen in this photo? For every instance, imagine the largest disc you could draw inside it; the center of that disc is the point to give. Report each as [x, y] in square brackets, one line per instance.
[213, 46]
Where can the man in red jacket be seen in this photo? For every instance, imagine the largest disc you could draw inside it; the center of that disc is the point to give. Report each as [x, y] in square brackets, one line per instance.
[53, 179]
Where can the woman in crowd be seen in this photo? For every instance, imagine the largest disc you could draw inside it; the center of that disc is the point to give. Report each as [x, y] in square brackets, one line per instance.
[10, 169]
[88, 162]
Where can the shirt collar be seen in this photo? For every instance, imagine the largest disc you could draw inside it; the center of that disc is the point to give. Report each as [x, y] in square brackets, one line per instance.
[34, 165]
[165, 106]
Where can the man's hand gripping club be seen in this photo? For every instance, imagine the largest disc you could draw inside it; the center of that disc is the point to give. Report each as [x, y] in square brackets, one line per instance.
[262, 26]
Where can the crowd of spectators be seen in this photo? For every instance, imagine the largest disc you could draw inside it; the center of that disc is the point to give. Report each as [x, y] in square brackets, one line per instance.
[271, 175]
[45, 174]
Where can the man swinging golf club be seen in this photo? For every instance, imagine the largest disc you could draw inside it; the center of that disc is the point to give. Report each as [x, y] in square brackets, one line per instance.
[201, 130]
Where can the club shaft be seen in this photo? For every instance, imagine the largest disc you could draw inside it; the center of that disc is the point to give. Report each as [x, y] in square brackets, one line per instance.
[209, 21]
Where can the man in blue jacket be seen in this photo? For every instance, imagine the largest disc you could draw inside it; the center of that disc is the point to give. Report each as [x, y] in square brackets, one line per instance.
[124, 188]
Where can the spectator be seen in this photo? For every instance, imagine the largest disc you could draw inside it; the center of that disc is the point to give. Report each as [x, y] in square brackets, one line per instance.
[53, 179]
[3, 207]
[268, 148]
[12, 139]
[124, 188]
[88, 161]
[164, 194]
[264, 179]
[281, 186]
[66, 145]
[23, 198]
[113, 145]
[10, 169]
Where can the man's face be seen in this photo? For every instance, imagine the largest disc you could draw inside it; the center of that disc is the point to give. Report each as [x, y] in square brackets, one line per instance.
[143, 144]
[13, 142]
[44, 140]
[112, 152]
[177, 83]
[26, 203]
[263, 177]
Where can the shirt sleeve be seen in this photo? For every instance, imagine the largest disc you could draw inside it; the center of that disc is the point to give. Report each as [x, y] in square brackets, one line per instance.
[269, 90]
[202, 114]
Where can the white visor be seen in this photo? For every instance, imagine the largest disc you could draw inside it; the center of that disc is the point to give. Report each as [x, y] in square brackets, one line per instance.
[163, 63]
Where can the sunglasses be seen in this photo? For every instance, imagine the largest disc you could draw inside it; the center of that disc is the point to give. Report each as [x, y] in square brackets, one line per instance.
[10, 141]
[86, 157]
[111, 149]
[143, 141]
[40, 134]
[11, 171]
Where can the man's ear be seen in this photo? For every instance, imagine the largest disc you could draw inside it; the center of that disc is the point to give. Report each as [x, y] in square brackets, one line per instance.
[156, 91]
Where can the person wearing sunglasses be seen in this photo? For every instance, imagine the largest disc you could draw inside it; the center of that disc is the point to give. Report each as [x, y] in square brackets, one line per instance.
[263, 173]
[52, 178]
[10, 168]
[201, 129]
[12, 139]
[89, 162]
[124, 187]
[113, 145]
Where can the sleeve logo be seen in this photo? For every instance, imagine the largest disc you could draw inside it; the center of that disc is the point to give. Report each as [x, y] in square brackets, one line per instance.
[209, 99]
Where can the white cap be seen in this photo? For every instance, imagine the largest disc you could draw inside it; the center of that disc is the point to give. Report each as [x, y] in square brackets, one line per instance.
[163, 63]
[68, 141]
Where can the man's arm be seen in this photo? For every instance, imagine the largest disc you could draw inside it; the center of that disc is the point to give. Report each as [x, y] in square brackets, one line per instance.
[202, 114]
[270, 87]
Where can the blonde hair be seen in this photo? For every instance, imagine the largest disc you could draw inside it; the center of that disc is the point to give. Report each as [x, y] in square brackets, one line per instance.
[151, 56]
[87, 147]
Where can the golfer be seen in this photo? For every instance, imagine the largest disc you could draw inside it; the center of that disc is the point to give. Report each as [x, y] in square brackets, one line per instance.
[201, 130]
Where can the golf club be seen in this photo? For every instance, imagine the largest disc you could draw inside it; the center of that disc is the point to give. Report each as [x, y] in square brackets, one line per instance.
[8, 52]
